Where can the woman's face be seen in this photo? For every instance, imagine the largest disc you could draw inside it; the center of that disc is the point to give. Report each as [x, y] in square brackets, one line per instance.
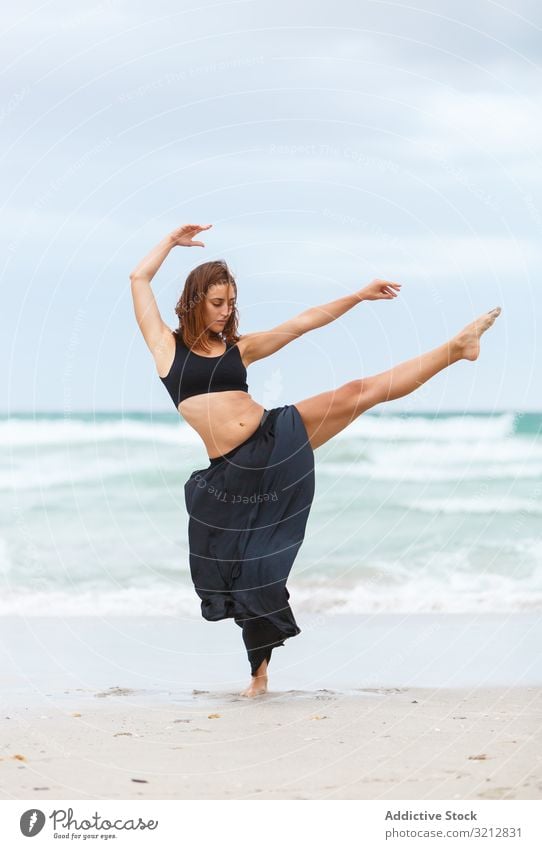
[219, 303]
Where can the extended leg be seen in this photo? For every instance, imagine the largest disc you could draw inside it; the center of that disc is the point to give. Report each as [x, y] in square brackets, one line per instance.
[408, 376]
[326, 414]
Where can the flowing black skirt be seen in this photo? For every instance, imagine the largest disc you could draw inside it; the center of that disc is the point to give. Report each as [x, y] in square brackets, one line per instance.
[247, 516]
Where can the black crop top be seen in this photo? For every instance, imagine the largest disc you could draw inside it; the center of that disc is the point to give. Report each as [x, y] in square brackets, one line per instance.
[194, 374]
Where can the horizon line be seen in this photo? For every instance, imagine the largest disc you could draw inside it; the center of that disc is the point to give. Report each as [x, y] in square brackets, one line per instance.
[166, 410]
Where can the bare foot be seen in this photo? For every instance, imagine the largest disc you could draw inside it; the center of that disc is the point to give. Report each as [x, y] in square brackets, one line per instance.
[468, 339]
[256, 688]
[258, 684]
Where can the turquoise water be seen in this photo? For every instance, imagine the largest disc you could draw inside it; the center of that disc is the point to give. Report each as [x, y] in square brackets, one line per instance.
[412, 512]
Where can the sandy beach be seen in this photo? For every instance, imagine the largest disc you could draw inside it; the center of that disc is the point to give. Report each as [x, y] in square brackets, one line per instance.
[121, 709]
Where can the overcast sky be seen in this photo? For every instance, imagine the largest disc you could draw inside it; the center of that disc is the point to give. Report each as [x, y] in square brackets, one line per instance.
[327, 143]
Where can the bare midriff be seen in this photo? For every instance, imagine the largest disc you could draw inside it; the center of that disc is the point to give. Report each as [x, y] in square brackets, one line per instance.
[222, 419]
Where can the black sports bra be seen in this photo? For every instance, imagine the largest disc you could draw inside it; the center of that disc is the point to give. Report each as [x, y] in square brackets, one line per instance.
[193, 374]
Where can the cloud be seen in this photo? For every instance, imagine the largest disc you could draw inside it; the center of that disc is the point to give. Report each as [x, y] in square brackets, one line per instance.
[494, 124]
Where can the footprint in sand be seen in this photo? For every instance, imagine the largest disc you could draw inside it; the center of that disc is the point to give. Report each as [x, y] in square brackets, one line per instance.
[325, 694]
[382, 690]
[115, 691]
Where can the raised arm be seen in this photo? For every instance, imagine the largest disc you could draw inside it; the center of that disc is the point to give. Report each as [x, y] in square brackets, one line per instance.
[255, 346]
[148, 316]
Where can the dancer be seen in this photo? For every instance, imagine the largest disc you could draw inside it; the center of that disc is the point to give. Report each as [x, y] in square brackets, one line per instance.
[248, 508]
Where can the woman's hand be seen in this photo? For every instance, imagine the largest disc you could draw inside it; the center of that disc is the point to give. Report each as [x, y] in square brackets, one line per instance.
[184, 235]
[379, 289]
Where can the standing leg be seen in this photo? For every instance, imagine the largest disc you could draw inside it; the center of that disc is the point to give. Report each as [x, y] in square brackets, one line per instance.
[260, 637]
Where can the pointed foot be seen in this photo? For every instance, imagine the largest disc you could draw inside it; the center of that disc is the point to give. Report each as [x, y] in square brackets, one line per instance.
[468, 340]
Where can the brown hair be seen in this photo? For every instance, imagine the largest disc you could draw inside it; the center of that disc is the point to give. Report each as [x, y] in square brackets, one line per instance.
[189, 308]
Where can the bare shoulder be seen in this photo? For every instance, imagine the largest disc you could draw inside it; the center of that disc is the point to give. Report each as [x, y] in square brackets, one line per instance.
[164, 352]
[243, 345]
[264, 343]
[242, 341]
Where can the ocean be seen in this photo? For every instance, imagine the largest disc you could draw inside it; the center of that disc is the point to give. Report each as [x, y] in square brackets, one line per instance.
[433, 512]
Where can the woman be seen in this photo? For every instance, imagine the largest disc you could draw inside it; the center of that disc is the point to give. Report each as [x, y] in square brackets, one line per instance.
[248, 509]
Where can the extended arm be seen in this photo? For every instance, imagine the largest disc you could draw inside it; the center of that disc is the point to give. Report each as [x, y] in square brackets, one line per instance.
[258, 345]
[148, 316]
[150, 264]
[326, 313]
